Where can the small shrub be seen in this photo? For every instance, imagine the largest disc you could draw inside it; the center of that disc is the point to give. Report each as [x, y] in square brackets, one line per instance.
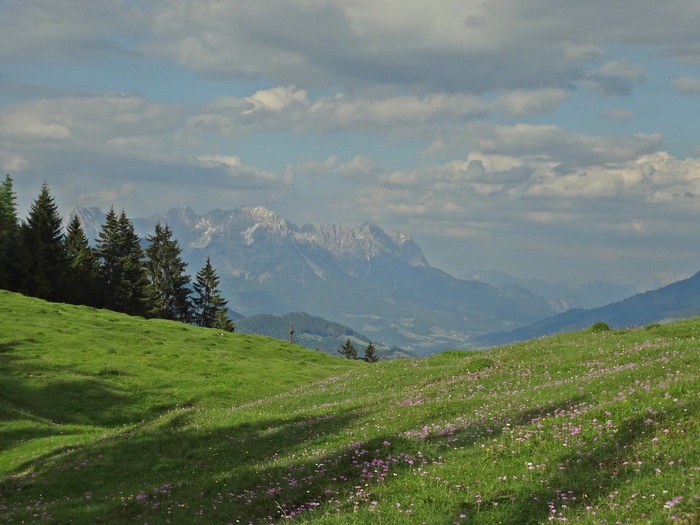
[600, 326]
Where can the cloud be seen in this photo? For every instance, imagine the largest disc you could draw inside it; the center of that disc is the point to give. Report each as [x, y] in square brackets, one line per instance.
[67, 30]
[245, 176]
[112, 123]
[107, 197]
[552, 143]
[521, 102]
[276, 99]
[359, 166]
[611, 197]
[468, 47]
[32, 127]
[582, 52]
[656, 178]
[10, 161]
[450, 46]
[686, 85]
[617, 77]
[618, 114]
[684, 51]
[289, 108]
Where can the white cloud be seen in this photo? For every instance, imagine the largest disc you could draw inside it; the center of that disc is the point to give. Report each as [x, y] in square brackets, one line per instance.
[520, 102]
[288, 108]
[359, 166]
[656, 178]
[231, 162]
[248, 176]
[502, 190]
[617, 77]
[557, 144]
[33, 127]
[686, 85]
[10, 161]
[112, 123]
[277, 99]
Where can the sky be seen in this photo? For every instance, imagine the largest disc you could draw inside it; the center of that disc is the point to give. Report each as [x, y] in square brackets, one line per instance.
[554, 139]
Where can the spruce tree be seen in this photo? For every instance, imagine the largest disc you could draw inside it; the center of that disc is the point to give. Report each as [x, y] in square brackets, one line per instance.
[9, 236]
[168, 292]
[109, 259]
[208, 303]
[83, 281]
[223, 322]
[348, 350]
[122, 266]
[44, 260]
[370, 354]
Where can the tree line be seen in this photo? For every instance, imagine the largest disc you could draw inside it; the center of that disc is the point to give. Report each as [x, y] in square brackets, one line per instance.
[39, 259]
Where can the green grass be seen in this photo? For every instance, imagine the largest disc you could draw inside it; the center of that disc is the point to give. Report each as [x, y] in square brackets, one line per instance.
[110, 419]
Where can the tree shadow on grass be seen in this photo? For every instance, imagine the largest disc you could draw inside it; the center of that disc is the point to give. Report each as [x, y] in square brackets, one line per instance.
[9, 346]
[262, 471]
[63, 395]
[581, 479]
[177, 472]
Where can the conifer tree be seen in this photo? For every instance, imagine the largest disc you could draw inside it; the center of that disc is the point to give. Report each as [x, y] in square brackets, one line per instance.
[223, 322]
[109, 259]
[208, 302]
[348, 350]
[370, 354]
[122, 266]
[83, 281]
[9, 236]
[168, 292]
[44, 259]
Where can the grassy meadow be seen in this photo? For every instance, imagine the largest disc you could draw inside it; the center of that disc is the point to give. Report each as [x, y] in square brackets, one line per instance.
[106, 418]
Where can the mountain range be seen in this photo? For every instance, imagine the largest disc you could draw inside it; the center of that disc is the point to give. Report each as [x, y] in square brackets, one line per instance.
[380, 285]
[376, 282]
[563, 297]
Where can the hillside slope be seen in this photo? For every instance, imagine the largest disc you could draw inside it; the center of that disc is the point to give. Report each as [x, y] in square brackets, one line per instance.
[674, 301]
[108, 419]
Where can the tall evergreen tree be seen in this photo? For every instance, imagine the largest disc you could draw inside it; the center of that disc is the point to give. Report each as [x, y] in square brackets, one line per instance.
[370, 354]
[83, 281]
[122, 266]
[348, 350]
[168, 292]
[9, 236]
[223, 322]
[108, 256]
[208, 303]
[44, 258]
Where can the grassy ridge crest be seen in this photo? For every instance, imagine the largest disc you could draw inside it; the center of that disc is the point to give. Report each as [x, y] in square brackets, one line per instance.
[106, 418]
